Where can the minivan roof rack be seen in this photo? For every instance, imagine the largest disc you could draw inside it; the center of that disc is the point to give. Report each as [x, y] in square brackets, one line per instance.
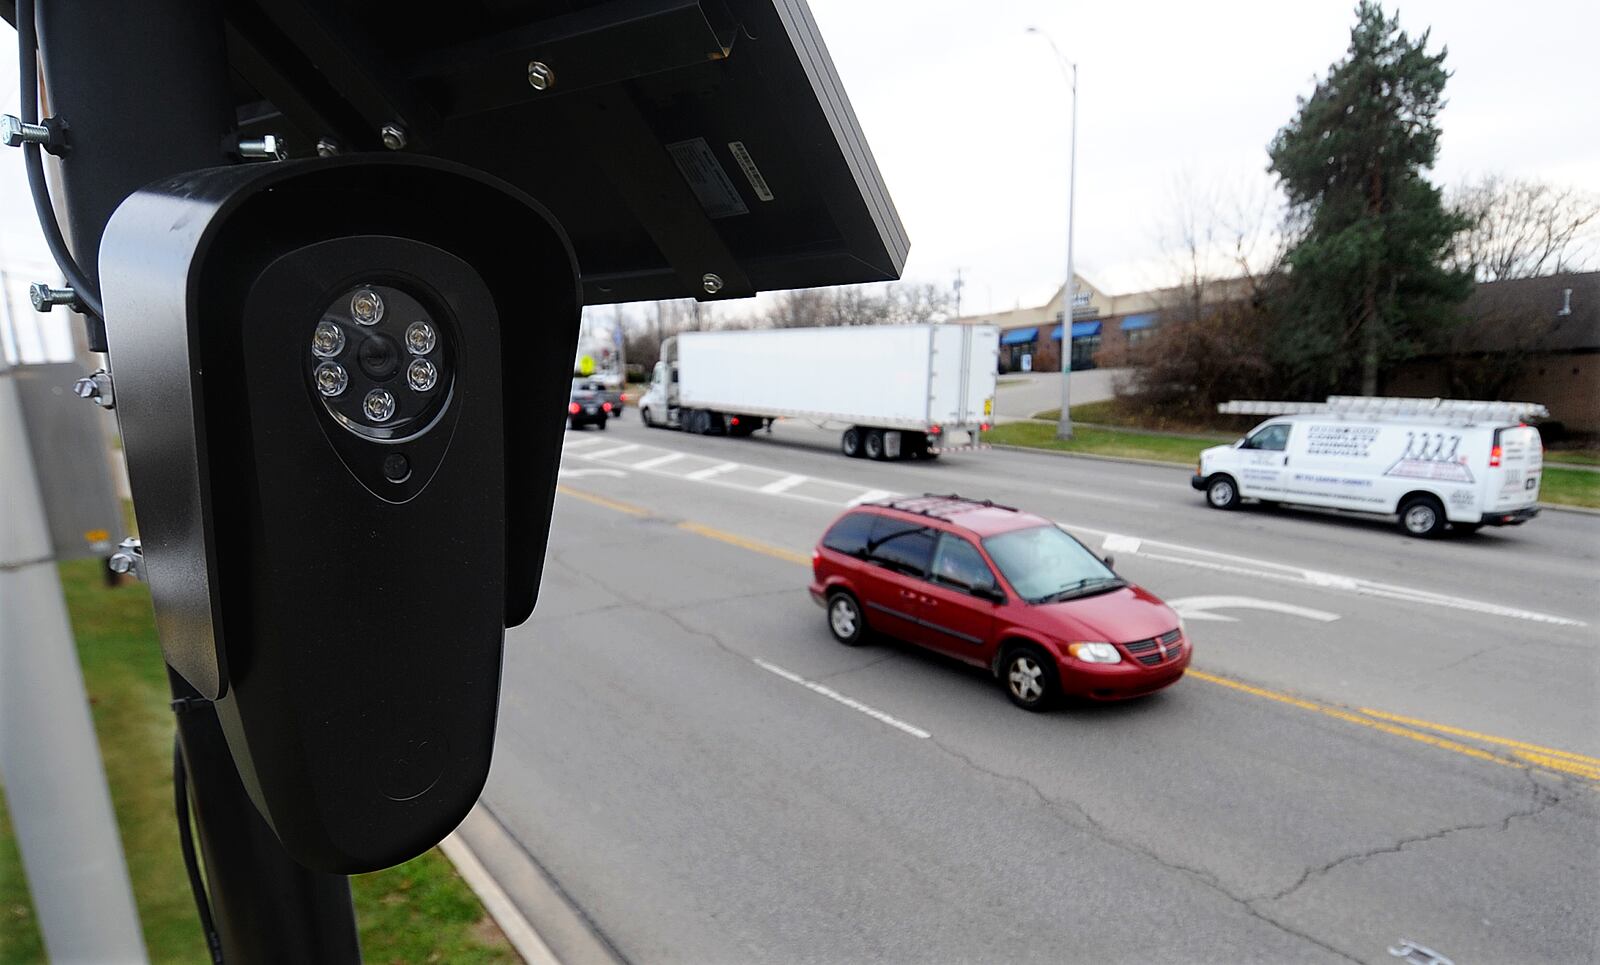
[940, 505]
[1381, 408]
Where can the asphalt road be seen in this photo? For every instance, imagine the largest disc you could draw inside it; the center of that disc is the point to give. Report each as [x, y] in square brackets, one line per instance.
[1389, 739]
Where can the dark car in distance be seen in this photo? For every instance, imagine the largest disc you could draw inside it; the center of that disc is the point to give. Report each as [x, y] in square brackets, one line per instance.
[998, 588]
[586, 407]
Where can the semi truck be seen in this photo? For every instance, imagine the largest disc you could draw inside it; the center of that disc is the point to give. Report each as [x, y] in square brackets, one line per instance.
[894, 391]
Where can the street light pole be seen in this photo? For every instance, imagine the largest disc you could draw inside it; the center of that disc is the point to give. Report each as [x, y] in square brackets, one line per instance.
[1069, 69]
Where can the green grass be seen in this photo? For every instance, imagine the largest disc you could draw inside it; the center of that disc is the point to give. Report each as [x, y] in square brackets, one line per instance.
[1100, 442]
[417, 912]
[1104, 413]
[1570, 487]
[1572, 457]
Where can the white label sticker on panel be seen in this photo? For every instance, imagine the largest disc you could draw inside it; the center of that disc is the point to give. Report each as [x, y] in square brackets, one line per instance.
[709, 182]
[758, 184]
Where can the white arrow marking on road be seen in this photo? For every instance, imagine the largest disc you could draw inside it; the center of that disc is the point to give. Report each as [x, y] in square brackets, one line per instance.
[1200, 607]
[591, 472]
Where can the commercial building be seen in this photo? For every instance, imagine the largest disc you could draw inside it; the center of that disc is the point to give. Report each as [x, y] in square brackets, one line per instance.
[1535, 339]
[1030, 338]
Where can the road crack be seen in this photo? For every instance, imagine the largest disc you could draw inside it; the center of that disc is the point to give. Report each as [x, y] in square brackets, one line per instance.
[1077, 817]
[1543, 800]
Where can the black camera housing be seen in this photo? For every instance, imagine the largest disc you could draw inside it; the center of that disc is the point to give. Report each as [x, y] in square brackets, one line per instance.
[339, 584]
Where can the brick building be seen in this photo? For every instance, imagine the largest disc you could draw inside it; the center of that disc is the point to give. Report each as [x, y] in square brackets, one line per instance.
[1030, 338]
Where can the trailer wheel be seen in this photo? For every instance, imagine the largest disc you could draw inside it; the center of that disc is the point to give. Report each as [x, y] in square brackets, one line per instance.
[873, 444]
[850, 442]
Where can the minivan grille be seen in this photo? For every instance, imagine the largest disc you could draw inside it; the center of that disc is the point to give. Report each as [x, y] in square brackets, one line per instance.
[1148, 651]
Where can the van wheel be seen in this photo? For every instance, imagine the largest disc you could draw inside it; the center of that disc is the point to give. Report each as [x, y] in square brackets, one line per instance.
[850, 442]
[1030, 679]
[844, 619]
[873, 444]
[1422, 516]
[1222, 492]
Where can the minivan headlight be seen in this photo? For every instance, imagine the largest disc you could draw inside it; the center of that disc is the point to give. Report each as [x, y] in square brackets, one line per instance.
[1094, 652]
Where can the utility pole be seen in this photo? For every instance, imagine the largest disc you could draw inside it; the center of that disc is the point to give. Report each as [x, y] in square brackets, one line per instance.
[958, 286]
[49, 756]
[1069, 69]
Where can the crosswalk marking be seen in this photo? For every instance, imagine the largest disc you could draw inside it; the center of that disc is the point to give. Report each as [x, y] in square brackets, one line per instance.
[710, 471]
[781, 485]
[658, 461]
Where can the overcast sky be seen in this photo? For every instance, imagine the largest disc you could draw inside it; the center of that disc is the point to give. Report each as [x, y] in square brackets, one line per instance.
[967, 115]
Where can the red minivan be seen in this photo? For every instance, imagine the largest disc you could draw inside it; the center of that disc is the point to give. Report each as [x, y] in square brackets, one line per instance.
[999, 588]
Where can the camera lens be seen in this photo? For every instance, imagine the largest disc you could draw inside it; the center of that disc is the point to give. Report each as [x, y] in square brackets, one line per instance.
[379, 356]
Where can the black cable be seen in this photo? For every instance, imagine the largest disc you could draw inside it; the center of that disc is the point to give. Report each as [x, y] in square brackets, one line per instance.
[33, 160]
[191, 863]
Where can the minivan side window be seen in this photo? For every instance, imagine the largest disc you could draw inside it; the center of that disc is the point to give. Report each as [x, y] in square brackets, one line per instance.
[850, 534]
[958, 564]
[1274, 438]
[901, 545]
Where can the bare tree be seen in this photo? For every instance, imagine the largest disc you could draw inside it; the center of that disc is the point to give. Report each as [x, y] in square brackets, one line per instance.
[1522, 228]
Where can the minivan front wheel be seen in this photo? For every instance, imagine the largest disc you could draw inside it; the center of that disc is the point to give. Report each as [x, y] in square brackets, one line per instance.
[1422, 516]
[1029, 679]
[1222, 492]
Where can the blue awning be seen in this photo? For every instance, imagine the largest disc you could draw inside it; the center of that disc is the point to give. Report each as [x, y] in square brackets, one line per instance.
[1132, 322]
[1079, 330]
[1019, 336]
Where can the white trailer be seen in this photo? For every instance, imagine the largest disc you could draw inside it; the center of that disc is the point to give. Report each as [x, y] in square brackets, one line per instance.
[897, 391]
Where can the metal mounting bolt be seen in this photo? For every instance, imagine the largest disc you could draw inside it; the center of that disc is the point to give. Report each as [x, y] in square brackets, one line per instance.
[129, 558]
[540, 76]
[268, 146]
[15, 133]
[45, 298]
[394, 137]
[711, 282]
[327, 147]
[96, 387]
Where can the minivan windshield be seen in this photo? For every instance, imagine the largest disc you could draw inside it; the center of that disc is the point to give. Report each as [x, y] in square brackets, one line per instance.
[1045, 565]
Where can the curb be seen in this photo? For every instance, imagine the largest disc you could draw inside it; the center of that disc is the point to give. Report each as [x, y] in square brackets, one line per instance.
[539, 919]
[517, 929]
[1554, 507]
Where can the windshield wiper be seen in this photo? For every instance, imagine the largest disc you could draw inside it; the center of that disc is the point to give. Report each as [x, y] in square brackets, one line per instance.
[1083, 587]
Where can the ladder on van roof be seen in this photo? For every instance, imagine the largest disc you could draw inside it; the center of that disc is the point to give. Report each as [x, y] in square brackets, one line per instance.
[1380, 409]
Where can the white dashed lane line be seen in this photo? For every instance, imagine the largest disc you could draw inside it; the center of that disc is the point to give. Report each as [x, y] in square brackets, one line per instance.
[850, 702]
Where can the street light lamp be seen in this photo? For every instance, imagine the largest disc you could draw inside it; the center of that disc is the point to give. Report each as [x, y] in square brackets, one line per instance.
[1069, 70]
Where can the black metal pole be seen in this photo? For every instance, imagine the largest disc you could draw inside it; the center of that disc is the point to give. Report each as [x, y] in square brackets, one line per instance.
[144, 89]
[267, 907]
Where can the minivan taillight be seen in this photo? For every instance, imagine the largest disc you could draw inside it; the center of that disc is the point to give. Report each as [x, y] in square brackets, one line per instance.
[1494, 457]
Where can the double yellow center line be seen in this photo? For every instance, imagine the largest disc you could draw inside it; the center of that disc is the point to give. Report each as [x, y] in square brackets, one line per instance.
[1516, 754]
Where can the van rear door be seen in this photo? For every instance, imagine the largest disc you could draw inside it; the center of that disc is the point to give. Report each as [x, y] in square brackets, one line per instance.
[1516, 461]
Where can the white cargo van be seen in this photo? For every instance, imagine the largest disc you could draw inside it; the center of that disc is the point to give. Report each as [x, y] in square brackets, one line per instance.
[1432, 462]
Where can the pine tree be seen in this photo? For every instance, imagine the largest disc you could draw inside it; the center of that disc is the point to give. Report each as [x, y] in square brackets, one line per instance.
[1367, 286]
